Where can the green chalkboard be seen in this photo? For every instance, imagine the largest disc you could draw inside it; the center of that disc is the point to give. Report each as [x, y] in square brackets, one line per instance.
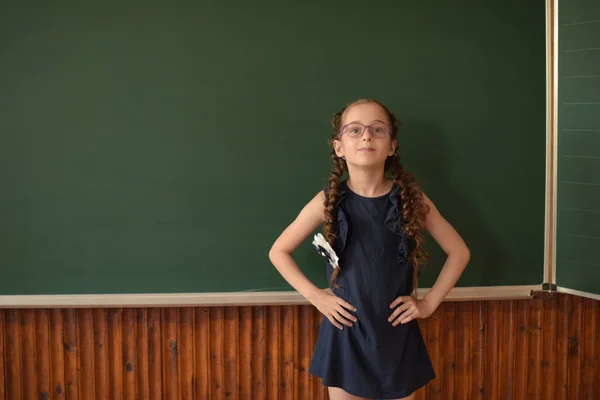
[161, 148]
[578, 189]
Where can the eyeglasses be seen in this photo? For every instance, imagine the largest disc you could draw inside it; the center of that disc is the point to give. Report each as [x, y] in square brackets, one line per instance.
[356, 129]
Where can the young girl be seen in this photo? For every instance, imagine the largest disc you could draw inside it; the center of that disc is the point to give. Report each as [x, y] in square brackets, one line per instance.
[370, 345]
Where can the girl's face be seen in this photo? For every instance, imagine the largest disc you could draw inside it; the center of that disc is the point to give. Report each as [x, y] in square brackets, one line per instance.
[365, 136]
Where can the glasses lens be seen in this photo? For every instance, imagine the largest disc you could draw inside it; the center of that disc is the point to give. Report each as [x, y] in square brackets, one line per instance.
[380, 130]
[354, 130]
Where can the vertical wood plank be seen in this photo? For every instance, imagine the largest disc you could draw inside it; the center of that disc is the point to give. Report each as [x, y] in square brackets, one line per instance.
[434, 390]
[245, 352]
[575, 356]
[305, 346]
[449, 347]
[503, 356]
[115, 352]
[86, 353]
[478, 311]
[506, 349]
[13, 354]
[295, 358]
[203, 353]
[421, 394]
[562, 347]
[143, 367]
[164, 353]
[42, 338]
[186, 353]
[28, 353]
[319, 389]
[57, 355]
[259, 353]
[589, 350]
[129, 354]
[549, 336]
[216, 353]
[491, 351]
[535, 350]
[71, 354]
[315, 382]
[101, 353]
[2, 357]
[274, 351]
[597, 360]
[286, 388]
[522, 347]
[171, 353]
[155, 354]
[464, 349]
[231, 349]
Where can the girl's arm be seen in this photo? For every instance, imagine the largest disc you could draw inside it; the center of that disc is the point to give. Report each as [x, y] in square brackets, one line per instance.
[406, 308]
[309, 219]
[454, 247]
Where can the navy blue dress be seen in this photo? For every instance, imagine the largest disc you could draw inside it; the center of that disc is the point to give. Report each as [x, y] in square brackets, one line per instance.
[372, 359]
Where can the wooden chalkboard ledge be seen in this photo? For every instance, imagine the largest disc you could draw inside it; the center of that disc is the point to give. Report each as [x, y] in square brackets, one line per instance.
[578, 293]
[237, 298]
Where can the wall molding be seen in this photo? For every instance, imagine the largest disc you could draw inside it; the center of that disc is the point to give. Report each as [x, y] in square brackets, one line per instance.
[232, 298]
[578, 293]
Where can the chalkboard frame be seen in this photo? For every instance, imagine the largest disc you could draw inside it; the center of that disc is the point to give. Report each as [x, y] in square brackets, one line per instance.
[554, 101]
[462, 293]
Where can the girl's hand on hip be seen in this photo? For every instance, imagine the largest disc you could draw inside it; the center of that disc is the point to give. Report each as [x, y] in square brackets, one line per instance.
[408, 310]
[334, 308]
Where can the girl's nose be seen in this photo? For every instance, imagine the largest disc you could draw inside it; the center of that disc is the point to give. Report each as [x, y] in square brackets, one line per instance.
[367, 135]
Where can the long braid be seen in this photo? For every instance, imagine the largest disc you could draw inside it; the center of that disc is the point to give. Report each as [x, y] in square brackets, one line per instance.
[414, 211]
[339, 167]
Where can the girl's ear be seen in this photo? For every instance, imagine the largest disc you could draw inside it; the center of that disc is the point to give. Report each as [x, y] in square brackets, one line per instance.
[393, 145]
[337, 146]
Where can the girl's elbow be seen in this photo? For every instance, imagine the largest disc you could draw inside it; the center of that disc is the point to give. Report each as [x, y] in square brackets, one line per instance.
[275, 252]
[466, 255]
[461, 256]
[272, 253]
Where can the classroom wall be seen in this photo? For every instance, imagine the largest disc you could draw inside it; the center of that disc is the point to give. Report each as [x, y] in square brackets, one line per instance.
[546, 348]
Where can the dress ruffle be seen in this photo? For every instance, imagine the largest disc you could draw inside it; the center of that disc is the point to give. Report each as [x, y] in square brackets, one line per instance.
[395, 222]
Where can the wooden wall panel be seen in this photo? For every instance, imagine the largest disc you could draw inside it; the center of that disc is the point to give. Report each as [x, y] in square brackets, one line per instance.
[57, 355]
[71, 353]
[545, 348]
[2, 359]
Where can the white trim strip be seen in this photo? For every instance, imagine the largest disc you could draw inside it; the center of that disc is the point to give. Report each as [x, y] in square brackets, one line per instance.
[554, 149]
[488, 293]
[578, 293]
[548, 170]
[551, 142]
[231, 299]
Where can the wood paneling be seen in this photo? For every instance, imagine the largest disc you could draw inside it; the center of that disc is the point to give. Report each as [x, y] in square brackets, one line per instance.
[545, 348]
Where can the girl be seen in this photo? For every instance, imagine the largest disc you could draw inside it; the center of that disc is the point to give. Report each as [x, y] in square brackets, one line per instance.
[370, 345]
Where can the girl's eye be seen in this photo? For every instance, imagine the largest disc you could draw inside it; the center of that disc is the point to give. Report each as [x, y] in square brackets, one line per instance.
[380, 130]
[355, 129]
